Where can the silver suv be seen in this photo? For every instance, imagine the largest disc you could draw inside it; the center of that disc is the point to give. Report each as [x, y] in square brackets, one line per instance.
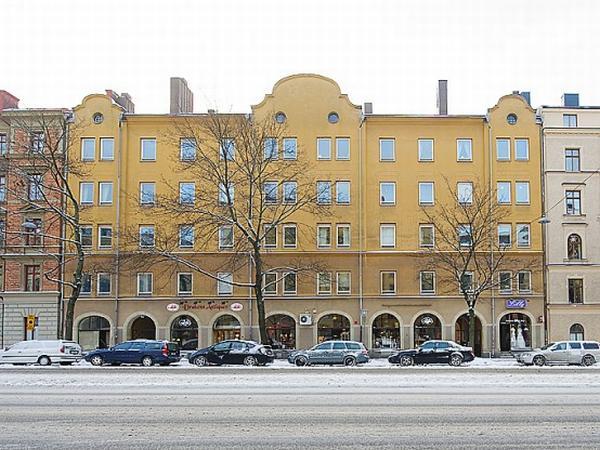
[348, 353]
[562, 353]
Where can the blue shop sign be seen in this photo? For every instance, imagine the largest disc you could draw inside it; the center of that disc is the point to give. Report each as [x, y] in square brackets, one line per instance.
[516, 303]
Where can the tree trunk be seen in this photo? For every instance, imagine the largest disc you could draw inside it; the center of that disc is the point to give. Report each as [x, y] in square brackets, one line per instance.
[77, 276]
[258, 295]
[472, 327]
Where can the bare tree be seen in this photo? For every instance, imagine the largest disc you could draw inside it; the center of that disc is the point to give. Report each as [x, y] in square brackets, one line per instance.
[469, 251]
[248, 184]
[38, 168]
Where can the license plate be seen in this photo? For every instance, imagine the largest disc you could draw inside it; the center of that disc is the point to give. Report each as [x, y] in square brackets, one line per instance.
[74, 351]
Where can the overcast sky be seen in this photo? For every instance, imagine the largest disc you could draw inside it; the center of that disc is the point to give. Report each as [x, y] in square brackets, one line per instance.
[54, 52]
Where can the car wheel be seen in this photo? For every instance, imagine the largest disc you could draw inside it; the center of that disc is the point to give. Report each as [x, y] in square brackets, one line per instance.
[250, 361]
[301, 361]
[539, 360]
[44, 361]
[200, 361]
[350, 361]
[97, 360]
[588, 360]
[455, 360]
[406, 360]
[147, 361]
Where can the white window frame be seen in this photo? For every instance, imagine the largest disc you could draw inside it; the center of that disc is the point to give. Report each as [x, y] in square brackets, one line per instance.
[323, 226]
[103, 157]
[223, 287]
[517, 140]
[503, 140]
[285, 227]
[337, 191]
[142, 141]
[427, 203]
[320, 201]
[470, 141]
[524, 291]
[270, 149]
[102, 185]
[337, 148]
[528, 227]
[382, 227]
[423, 226]
[89, 185]
[507, 201]
[100, 228]
[188, 226]
[286, 186]
[223, 191]
[525, 183]
[87, 227]
[295, 291]
[421, 290]
[145, 201]
[183, 145]
[274, 285]
[179, 291]
[285, 146]
[101, 274]
[419, 150]
[338, 227]
[153, 236]
[502, 290]
[504, 227]
[337, 282]
[321, 291]
[381, 141]
[83, 148]
[462, 185]
[381, 273]
[472, 275]
[139, 278]
[222, 229]
[381, 200]
[267, 245]
[323, 140]
[228, 154]
[181, 192]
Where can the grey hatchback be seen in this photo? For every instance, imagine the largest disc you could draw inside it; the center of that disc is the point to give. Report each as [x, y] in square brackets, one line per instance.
[348, 353]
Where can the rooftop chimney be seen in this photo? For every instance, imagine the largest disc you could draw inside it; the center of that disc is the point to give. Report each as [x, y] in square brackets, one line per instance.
[123, 100]
[182, 98]
[570, 100]
[527, 96]
[442, 97]
[368, 108]
[8, 101]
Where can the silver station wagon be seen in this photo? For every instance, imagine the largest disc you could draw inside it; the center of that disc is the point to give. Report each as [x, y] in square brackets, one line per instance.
[348, 353]
[563, 353]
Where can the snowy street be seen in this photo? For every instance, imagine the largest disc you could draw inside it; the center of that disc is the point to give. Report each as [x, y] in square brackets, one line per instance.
[506, 406]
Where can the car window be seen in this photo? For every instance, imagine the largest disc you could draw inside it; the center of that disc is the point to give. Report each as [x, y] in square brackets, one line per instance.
[222, 346]
[325, 346]
[172, 346]
[353, 346]
[591, 345]
[123, 346]
[153, 346]
[575, 345]
[49, 344]
[442, 345]
[561, 346]
[428, 345]
[18, 346]
[137, 346]
[238, 346]
[31, 345]
[339, 346]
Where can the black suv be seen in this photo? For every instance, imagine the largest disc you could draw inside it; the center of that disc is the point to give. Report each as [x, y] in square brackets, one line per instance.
[141, 351]
[434, 352]
[248, 353]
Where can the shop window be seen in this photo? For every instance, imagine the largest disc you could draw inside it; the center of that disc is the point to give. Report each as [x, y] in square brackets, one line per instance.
[386, 332]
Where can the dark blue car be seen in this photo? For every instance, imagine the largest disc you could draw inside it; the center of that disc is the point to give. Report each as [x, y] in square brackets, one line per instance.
[141, 351]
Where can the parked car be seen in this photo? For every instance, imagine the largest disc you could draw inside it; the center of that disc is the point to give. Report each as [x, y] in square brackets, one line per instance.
[141, 351]
[248, 353]
[564, 353]
[434, 352]
[41, 352]
[348, 353]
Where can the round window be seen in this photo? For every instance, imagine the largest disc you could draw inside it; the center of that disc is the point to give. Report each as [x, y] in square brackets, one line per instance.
[98, 118]
[280, 117]
[511, 118]
[333, 117]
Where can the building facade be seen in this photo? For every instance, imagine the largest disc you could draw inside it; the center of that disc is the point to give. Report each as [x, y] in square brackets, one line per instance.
[379, 172]
[572, 204]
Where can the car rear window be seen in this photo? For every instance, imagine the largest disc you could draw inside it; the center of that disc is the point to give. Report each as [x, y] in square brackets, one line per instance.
[575, 345]
[353, 346]
[591, 345]
[173, 347]
[153, 346]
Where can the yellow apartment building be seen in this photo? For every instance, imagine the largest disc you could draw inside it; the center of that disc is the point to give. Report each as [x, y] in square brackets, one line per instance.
[381, 170]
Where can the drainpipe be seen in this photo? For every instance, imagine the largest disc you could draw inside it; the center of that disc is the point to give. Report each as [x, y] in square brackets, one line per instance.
[118, 229]
[360, 228]
[491, 190]
[2, 333]
[544, 232]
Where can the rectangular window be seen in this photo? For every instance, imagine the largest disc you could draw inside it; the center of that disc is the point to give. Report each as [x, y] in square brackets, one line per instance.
[324, 236]
[107, 149]
[503, 192]
[184, 283]
[426, 235]
[427, 279]
[521, 149]
[289, 236]
[38, 141]
[342, 192]
[270, 283]
[524, 280]
[3, 144]
[343, 235]
[2, 188]
[32, 278]
[289, 283]
[226, 236]
[504, 235]
[187, 193]
[387, 193]
[466, 282]
[104, 284]
[290, 192]
[323, 192]
[522, 192]
[387, 235]
[324, 283]
[575, 290]
[425, 149]
[35, 188]
[464, 193]
[144, 283]
[88, 149]
[270, 236]
[86, 236]
[387, 149]
[502, 149]
[426, 193]
[572, 162]
[270, 148]
[148, 149]
[388, 282]
[105, 193]
[186, 236]
[523, 235]
[224, 286]
[464, 235]
[86, 193]
[104, 236]
[573, 203]
[464, 150]
[569, 120]
[290, 148]
[2, 243]
[147, 193]
[86, 284]
[227, 149]
[343, 283]
[32, 231]
[323, 148]
[187, 149]
[505, 282]
[270, 193]
[146, 235]
[342, 149]
[226, 196]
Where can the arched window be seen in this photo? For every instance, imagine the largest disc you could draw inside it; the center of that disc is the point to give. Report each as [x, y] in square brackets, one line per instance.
[574, 250]
[576, 332]
[184, 331]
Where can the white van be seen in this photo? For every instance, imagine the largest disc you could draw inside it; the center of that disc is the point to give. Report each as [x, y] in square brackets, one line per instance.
[43, 353]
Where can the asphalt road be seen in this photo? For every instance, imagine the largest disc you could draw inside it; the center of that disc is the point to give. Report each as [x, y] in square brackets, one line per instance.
[339, 408]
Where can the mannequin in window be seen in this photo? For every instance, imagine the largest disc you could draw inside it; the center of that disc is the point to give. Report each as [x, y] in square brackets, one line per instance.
[574, 247]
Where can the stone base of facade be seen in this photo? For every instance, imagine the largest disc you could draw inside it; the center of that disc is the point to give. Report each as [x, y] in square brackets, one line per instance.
[563, 321]
[13, 315]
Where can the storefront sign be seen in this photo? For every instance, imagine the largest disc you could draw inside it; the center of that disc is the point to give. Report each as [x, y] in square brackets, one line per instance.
[172, 307]
[185, 322]
[516, 303]
[236, 307]
[426, 320]
[211, 306]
